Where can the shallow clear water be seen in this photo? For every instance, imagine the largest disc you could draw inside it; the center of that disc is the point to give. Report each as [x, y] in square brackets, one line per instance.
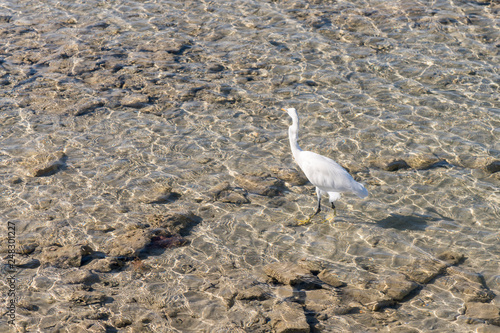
[186, 94]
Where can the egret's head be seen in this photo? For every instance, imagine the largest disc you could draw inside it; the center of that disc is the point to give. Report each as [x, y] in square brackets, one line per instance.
[291, 112]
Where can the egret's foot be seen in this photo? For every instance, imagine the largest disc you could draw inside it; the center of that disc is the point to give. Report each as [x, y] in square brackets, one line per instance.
[306, 221]
[331, 217]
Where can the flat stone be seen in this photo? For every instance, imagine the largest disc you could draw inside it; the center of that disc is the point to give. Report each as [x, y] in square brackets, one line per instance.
[450, 257]
[330, 277]
[268, 186]
[80, 276]
[314, 266]
[371, 299]
[290, 175]
[135, 100]
[464, 288]
[45, 164]
[396, 287]
[129, 244]
[423, 270]
[225, 193]
[175, 223]
[65, 256]
[322, 300]
[484, 311]
[288, 273]
[87, 298]
[106, 265]
[289, 317]
[422, 161]
[160, 195]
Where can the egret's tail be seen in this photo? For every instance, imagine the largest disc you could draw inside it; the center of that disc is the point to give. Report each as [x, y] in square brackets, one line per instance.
[360, 191]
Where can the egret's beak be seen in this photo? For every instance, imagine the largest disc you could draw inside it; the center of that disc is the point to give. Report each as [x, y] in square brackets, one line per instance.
[284, 110]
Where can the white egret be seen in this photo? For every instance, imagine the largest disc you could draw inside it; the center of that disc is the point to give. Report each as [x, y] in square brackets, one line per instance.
[322, 172]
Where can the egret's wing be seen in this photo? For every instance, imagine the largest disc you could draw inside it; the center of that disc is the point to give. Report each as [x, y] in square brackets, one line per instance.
[326, 174]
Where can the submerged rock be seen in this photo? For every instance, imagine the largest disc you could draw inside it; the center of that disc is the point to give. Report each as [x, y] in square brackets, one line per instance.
[289, 175]
[129, 244]
[423, 161]
[288, 273]
[45, 164]
[467, 285]
[268, 186]
[175, 223]
[490, 313]
[65, 256]
[225, 193]
[325, 301]
[330, 278]
[370, 299]
[395, 287]
[493, 167]
[160, 195]
[423, 270]
[289, 317]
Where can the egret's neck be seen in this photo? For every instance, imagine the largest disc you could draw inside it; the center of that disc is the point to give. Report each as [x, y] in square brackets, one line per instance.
[293, 135]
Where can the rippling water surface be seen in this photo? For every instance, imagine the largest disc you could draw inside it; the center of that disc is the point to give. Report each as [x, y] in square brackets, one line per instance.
[149, 97]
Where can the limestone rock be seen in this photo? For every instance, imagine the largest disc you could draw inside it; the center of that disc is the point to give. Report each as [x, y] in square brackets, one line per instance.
[268, 186]
[160, 195]
[314, 266]
[330, 278]
[289, 317]
[371, 299]
[493, 167]
[65, 256]
[395, 287]
[175, 223]
[87, 298]
[450, 257]
[289, 175]
[225, 193]
[423, 270]
[423, 161]
[484, 311]
[390, 164]
[135, 100]
[129, 244]
[80, 276]
[45, 164]
[288, 273]
[470, 291]
[322, 300]
[106, 265]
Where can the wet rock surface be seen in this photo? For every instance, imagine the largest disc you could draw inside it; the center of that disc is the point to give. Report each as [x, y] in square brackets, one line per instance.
[267, 186]
[65, 256]
[154, 137]
[43, 165]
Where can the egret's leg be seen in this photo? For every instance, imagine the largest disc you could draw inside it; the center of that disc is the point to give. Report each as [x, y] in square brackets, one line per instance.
[308, 220]
[318, 193]
[334, 209]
